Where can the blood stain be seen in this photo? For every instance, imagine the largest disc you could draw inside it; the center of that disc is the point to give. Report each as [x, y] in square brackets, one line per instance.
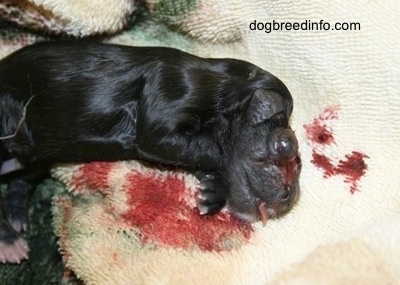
[92, 176]
[352, 166]
[157, 207]
[318, 132]
[323, 162]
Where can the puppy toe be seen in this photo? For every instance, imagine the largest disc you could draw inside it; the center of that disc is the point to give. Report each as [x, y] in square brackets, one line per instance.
[211, 197]
[16, 204]
[19, 224]
[13, 252]
[209, 209]
[17, 217]
[13, 249]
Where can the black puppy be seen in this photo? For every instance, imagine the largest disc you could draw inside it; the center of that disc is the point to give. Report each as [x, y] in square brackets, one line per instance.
[224, 120]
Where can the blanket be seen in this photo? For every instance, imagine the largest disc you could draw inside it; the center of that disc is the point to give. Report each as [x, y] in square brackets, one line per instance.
[345, 228]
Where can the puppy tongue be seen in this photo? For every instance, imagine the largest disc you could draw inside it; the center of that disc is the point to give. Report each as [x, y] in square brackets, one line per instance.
[288, 171]
[263, 213]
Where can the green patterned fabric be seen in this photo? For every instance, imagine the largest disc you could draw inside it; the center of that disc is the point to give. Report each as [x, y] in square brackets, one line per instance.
[19, 28]
[44, 265]
[353, 72]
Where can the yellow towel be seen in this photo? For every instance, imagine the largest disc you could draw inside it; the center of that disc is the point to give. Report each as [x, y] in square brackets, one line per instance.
[345, 85]
[73, 18]
[347, 108]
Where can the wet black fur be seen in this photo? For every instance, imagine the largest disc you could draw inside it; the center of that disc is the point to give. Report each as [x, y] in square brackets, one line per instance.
[98, 102]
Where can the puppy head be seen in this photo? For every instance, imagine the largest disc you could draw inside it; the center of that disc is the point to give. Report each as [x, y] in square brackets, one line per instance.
[264, 171]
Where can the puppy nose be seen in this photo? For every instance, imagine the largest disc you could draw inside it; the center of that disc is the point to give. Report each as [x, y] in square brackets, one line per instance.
[284, 145]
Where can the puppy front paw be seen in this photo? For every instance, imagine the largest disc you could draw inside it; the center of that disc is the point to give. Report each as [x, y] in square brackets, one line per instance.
[16, 204]
[212, 194]
[17, 217]
[13, 249]
[13, 252]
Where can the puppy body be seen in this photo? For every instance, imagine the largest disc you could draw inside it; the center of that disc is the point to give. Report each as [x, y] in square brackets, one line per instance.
[85, 101]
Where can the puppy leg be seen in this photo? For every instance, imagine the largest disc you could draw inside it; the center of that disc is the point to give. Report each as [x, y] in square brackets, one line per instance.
[16, 203]
[17, 196]
[15, 218]
[213, 190]
[212, 194]
[12, 248]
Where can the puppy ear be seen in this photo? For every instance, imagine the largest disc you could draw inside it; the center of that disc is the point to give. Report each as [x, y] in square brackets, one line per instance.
[264, 105]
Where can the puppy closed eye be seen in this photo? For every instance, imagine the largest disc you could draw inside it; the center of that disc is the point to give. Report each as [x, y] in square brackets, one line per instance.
[265, 105]
[279, 120]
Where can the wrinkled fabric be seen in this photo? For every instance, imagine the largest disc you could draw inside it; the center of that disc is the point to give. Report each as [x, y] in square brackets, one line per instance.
[337, 234]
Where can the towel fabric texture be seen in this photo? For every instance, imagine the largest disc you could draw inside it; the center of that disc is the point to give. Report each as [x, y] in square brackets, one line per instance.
[346, 226]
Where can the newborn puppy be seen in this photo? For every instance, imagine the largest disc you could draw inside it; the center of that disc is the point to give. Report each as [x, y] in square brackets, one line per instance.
[224, 120]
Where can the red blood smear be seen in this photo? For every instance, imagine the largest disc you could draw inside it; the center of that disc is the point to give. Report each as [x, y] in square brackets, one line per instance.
[352, 168]
[92, 176]
[323, 162]
[158, 210]
[318, 132]
[329, 113]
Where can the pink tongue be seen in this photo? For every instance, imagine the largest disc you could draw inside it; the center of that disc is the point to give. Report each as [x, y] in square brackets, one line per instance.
[263, 213]
[288, 171]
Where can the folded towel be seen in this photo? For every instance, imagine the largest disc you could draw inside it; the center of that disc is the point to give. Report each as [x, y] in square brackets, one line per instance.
[344, 229]
[141, 218]
[72, 18]
[344, 85]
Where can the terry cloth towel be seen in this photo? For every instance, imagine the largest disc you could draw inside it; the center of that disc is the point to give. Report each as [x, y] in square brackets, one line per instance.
[145, 220]
[73, 18]
[345, 228]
